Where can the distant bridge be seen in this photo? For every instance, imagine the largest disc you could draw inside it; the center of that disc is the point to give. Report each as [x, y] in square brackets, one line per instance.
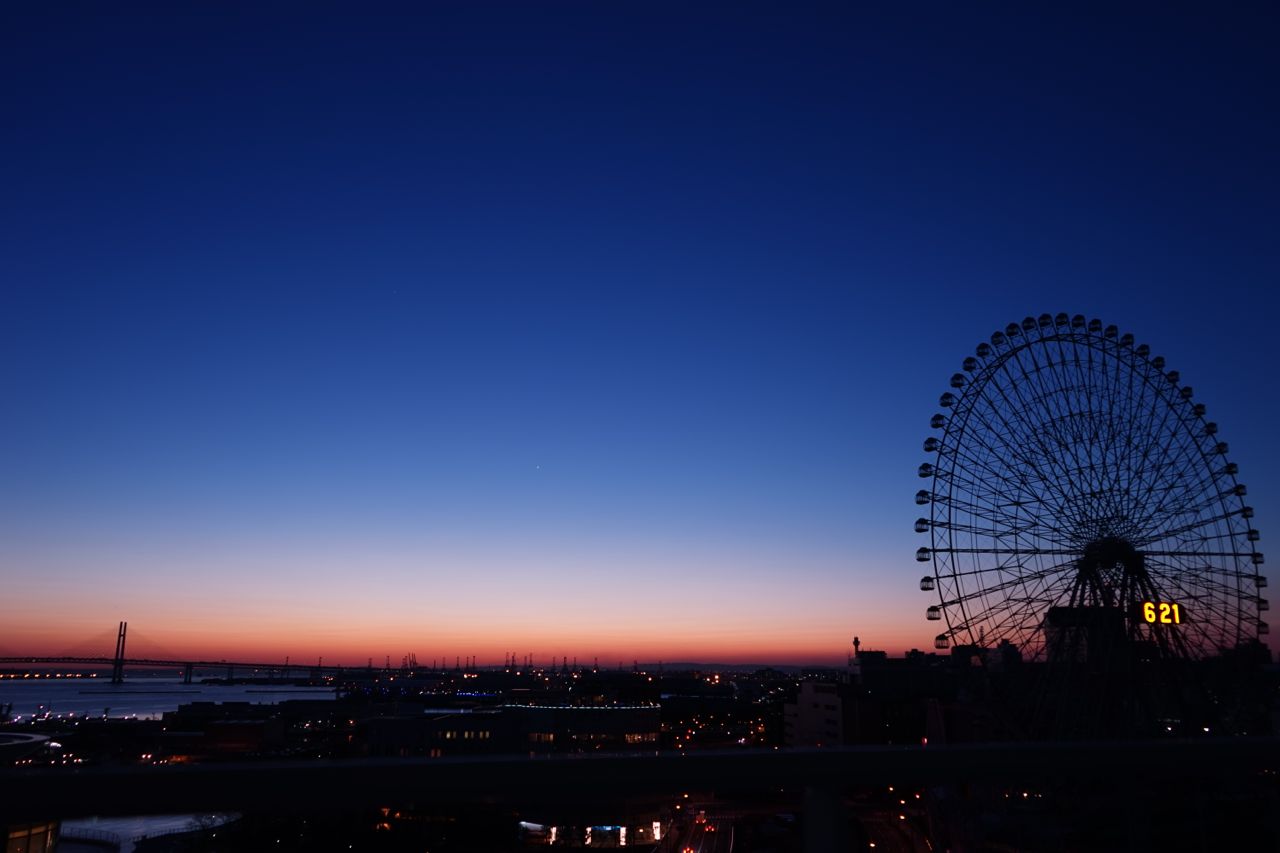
[118, 662]
[188, 666]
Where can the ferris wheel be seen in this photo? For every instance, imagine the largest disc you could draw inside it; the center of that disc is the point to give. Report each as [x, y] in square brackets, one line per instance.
[1076, 487]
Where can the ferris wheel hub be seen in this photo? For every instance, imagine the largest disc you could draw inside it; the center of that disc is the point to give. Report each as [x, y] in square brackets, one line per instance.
[1111, 551]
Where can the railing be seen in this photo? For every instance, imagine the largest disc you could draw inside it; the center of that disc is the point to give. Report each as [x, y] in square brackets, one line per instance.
[308, 786]
[91, 836]
[194, 825]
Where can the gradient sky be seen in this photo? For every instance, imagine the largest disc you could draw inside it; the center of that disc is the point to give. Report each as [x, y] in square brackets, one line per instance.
[585, 329]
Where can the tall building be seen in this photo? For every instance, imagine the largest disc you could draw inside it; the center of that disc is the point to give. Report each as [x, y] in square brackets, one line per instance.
[816, 718]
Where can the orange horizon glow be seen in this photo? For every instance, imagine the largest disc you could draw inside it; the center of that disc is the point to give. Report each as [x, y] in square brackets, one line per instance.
[607, 657]
[714, 605]
[304, 643]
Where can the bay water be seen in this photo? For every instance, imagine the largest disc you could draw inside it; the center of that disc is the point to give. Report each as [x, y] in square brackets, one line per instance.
[142, 697]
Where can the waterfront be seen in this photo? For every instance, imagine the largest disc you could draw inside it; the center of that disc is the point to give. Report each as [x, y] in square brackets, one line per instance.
[143, 698]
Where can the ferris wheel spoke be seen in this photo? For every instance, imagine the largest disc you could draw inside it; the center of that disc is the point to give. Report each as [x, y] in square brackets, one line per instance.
[1207, 596]
[1067, 416]
[1120, 394]
[1084, 436]
[1101, 447]
[967, 517]
[1174, 503]
[993, 512]
[1212, 510]
[1031, 552]
[1016, 533]
[1178, 476]
[1034, 585]
[997, 507]
[1025, 467]
[1012, 614]
[1172, 519]
[1197, 574]
[1240, 555]
[1168, 472]
[1026, 576]
[979, 610]
[1020, 613]
[1183, 534]
[972, 483]
[971, 486]
[1218, 536]
[988, 459]
[1148, 406]
[1120, 468]
[1207, 577]
[1131, 405]
[1052, 484]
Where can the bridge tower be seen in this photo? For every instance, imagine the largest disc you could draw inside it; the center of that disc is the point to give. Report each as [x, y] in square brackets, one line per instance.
[117, 663]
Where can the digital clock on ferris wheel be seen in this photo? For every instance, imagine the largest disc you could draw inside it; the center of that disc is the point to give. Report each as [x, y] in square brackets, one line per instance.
[1162, 613]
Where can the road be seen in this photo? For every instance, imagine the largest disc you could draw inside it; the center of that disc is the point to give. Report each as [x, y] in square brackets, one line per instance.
[712, 835]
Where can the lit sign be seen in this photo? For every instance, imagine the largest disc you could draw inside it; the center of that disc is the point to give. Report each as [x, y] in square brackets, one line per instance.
[1162, 613]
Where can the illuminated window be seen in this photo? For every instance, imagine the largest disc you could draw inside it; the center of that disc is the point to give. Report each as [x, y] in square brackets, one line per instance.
[34, 838]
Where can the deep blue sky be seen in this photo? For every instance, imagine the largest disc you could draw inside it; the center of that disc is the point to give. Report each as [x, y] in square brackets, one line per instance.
[374, 310]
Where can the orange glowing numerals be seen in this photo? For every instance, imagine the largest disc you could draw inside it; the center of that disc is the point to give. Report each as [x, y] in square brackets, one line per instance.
[1162, 612]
